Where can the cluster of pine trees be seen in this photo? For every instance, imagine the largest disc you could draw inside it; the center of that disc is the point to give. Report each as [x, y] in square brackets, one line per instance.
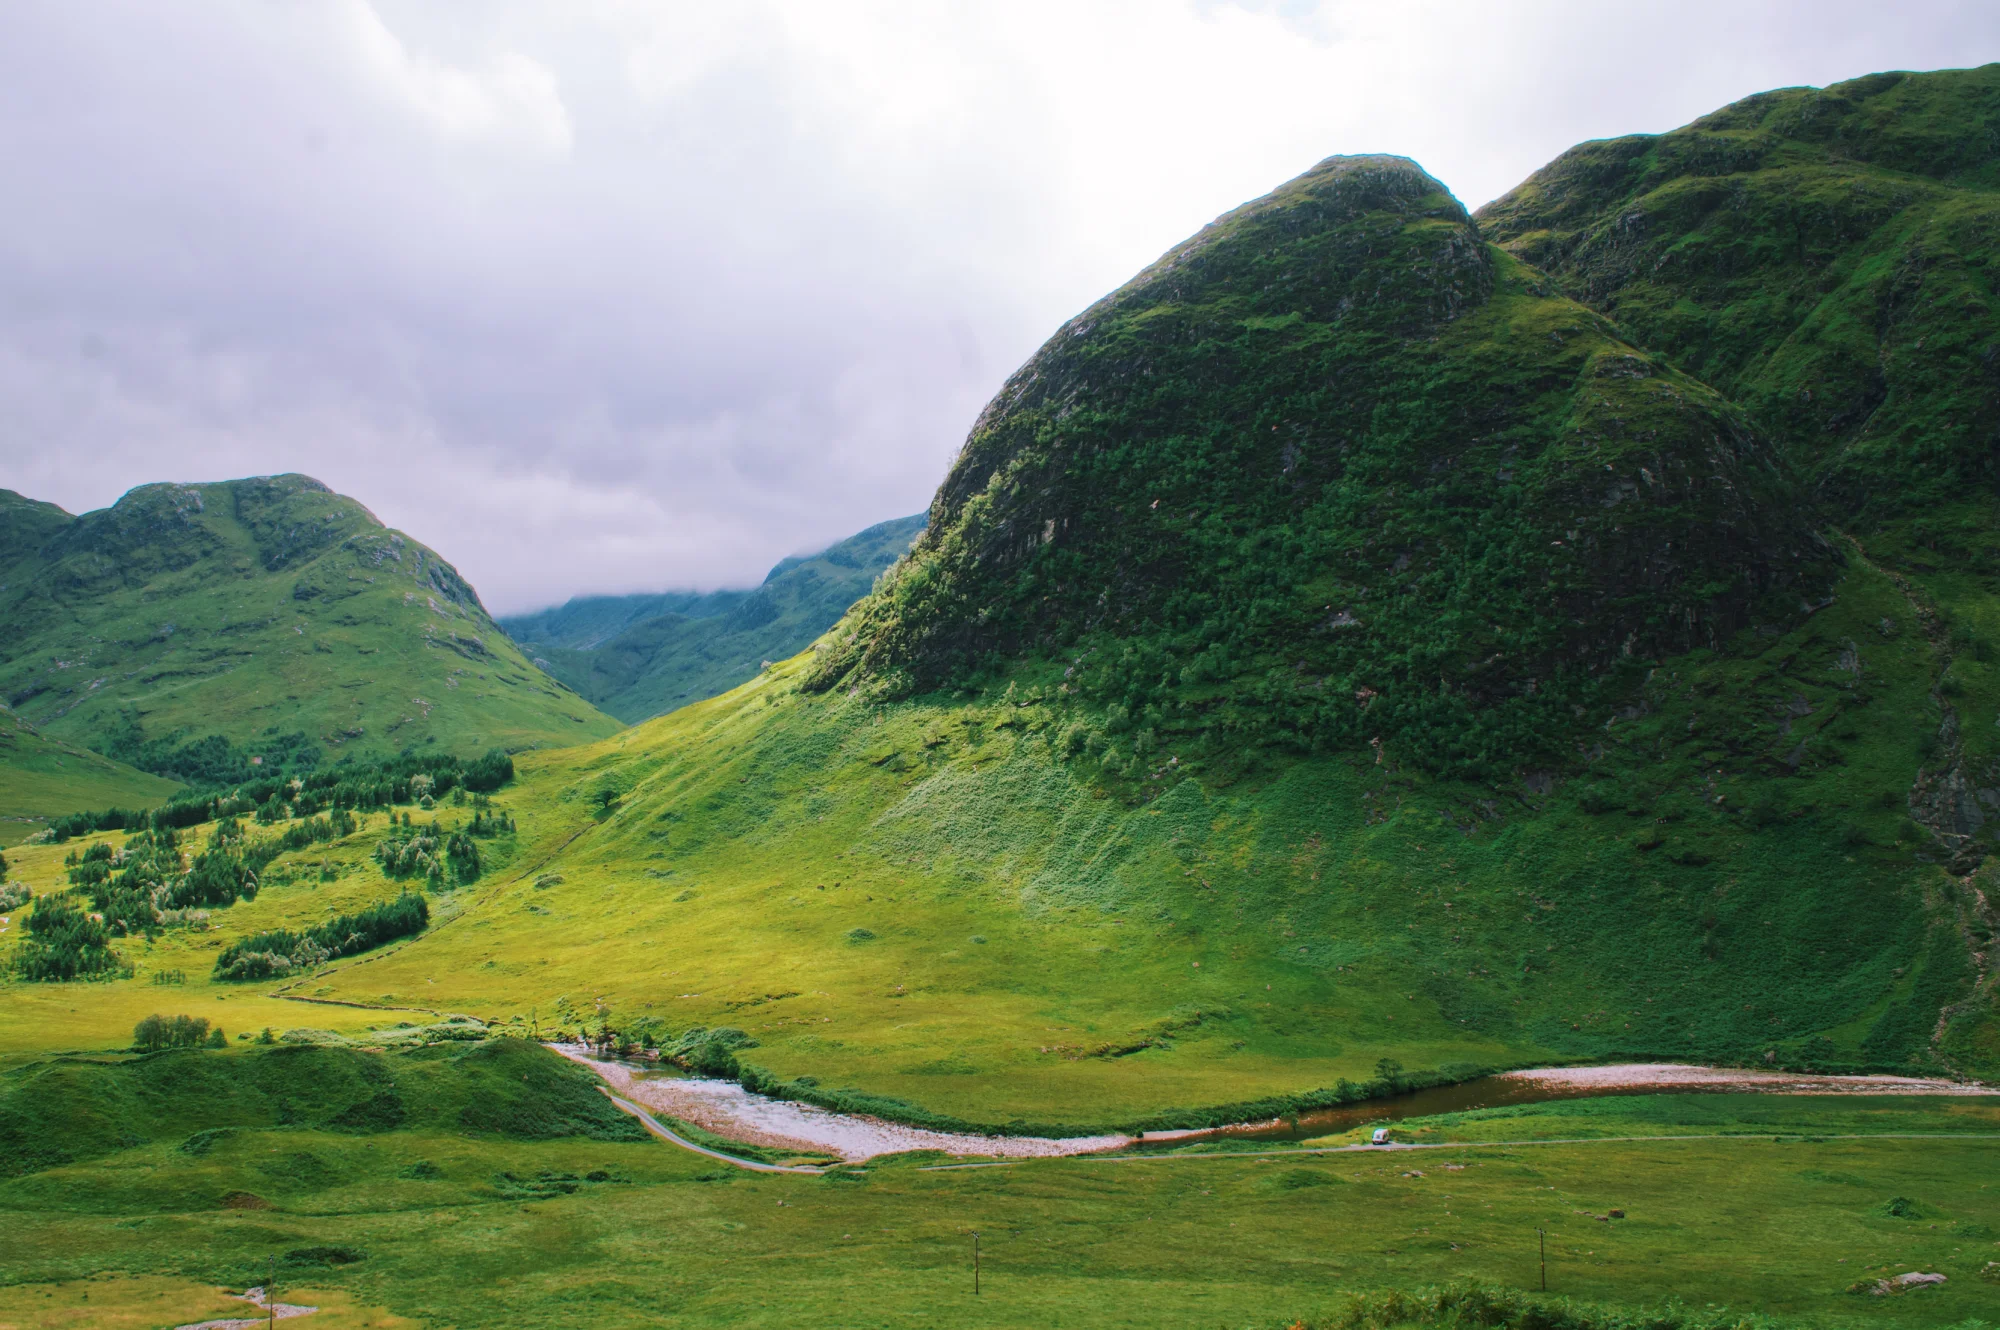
[352, 788]
[278, 953]
[62, 942]
[444, 859]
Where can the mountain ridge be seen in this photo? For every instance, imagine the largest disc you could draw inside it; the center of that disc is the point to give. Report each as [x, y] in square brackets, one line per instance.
[256, 609]
[643, 654]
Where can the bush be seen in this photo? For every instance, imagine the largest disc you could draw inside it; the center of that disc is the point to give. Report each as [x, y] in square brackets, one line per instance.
[1470, 1305]
[709, 1052]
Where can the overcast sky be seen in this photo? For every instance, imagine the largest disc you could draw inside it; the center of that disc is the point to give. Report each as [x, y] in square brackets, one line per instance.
[596, 296]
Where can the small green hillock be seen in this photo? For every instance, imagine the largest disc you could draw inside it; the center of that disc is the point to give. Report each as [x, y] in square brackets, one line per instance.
[68, 1109]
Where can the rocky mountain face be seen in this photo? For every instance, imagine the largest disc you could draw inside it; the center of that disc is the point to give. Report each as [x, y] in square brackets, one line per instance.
[250, 610]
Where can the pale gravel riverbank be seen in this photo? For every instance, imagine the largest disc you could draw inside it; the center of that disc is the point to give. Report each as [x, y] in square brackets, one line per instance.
[1681, 1076]
[727, 1109]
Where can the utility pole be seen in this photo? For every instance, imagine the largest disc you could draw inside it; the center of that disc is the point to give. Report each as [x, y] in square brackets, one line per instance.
[975, 1263]
[271, 1291]
[1543, 1234]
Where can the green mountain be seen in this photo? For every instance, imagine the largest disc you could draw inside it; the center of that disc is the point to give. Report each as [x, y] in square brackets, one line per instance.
[187, 625]
[1829, 258]
[637, 656]
[1335, 470]
[1341, 647]
[1344, 653]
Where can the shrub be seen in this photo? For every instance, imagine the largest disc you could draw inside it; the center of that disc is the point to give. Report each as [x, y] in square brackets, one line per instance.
[709, 1052]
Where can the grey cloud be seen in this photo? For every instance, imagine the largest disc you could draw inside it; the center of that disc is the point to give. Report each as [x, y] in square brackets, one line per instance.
[606, 297]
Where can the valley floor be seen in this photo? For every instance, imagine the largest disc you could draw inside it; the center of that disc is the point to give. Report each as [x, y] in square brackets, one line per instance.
[1764, 1204]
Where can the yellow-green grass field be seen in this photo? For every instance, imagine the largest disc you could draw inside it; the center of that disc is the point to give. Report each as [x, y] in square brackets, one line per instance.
[144, 1302]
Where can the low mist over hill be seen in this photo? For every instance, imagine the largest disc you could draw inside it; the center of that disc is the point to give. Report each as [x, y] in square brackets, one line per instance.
[637, 656]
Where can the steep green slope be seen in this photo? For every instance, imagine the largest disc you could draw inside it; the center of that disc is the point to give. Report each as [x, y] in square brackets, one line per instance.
[41, 777]
[637, 656]
[1826, 257]
[1335, 470]
[257, 610]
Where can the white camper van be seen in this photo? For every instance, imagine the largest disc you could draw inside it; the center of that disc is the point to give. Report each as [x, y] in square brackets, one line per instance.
[1380, 1137]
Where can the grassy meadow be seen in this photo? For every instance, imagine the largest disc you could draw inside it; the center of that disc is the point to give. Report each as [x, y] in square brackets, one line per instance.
[476, 1229]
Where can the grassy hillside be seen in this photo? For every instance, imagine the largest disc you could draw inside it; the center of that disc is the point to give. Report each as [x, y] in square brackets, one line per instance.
[639, 656]
[41, 777]
[1823, 256]
[1587, 775]
[271, 612]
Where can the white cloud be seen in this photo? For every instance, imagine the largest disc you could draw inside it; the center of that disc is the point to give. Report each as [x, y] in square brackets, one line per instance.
[511, 95]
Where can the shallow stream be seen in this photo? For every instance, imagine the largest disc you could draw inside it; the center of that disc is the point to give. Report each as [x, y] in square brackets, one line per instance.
[1543, 1084]
[728, 1110]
